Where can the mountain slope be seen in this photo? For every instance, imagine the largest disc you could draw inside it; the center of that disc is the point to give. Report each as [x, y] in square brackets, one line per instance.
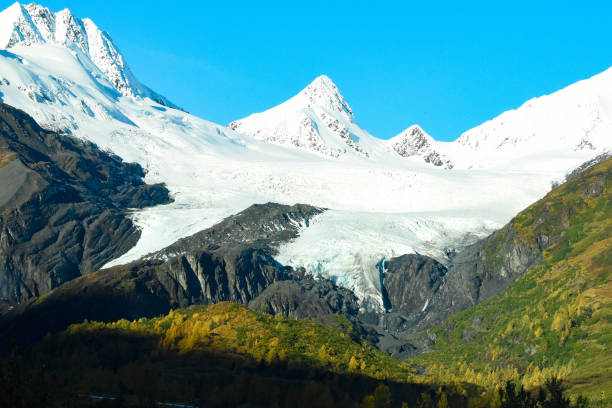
[317, 119]
[216, 356]
[214, 172]
[562, 130]
[557, 317]
[415, 142]
[574, 121]
[231, 261]
[34, 24]
[63, 204]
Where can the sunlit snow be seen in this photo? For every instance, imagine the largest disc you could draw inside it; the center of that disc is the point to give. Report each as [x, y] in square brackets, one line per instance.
[308, 150]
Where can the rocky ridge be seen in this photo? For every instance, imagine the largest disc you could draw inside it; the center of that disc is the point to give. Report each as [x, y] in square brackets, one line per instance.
[64, 205]
[317, 119]
[238, 268]
[415, 142]
[33, 24]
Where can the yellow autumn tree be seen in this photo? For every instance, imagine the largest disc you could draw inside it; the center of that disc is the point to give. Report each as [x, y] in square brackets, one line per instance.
[443, 401]
[368, 401]
[353, 364]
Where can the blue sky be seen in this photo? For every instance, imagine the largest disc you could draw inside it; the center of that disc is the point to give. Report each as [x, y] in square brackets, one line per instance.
[447, 66]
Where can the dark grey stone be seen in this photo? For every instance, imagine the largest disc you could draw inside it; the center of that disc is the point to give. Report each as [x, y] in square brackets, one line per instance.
[63, 207]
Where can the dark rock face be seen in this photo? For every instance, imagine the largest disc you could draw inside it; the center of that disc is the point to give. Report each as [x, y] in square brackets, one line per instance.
[419, 292]
[424, 292]
[263, 226]
[409, 282]
[320, 300]
[62, 204]
[236, 274]
[489, 266]
[306, 299]
[237, 268]
[232, 260]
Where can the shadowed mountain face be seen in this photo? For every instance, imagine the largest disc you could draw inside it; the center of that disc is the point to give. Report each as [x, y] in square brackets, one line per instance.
[421, 293]
[63, 206]
[231, 261]
[263, 226]
[551, 268]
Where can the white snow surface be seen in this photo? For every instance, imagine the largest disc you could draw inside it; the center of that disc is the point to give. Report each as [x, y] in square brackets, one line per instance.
[317, 119]
[24, 25]
[350, 245]
[67, 75]
[414, 141]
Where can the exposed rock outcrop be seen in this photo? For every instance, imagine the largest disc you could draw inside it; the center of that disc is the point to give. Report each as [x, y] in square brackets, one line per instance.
[263, 226]
[414, 142]
[306, 298]
[230, 261]
[410, 281]
[63, 204]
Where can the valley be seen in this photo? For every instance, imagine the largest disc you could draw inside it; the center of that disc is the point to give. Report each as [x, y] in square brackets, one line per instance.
[290, 258]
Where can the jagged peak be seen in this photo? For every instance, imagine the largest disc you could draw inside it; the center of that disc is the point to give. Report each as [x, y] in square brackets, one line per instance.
[323, 81]
[43, 18]
[322, 92]
[16, 26]
[36, 24]
[316, 119]
[70, 30]
[414, 141]
[64, 12]
[414, 134]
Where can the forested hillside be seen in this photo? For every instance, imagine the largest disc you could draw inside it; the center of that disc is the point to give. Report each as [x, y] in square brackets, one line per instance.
[556, 320]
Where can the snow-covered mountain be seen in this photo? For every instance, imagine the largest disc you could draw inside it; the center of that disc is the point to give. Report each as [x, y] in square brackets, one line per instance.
[551, 130]
[575, 121]
[415, 142]
[70, 77]
[317, 119]
[555, 130]
[34, 24]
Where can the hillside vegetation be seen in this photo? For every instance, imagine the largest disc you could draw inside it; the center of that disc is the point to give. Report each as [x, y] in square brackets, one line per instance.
[224, 355]
[556, 320]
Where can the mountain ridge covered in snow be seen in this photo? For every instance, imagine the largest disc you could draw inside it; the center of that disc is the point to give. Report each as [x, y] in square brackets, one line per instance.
[576, 120]
[414, 141]
[384, 197]
[316, 119]
[26, 25]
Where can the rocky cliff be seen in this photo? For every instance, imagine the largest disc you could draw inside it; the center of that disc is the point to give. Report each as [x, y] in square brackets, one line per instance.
[231, 261]
[421, 293]
[63, 206]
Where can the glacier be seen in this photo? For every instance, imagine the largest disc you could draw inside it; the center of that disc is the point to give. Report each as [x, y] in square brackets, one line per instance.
[384, 198]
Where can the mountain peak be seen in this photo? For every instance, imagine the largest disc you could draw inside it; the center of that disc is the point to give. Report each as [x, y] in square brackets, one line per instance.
[415, 134]
[36, 24]
[323, 93]
[16, 26]
[317, 119]
[414, 141]
[13, 10]
[323, 81]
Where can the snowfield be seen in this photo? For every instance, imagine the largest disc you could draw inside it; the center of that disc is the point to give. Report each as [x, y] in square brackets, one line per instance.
[349, 247]
[385, 198]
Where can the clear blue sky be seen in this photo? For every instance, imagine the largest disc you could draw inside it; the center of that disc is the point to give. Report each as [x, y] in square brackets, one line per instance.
[447, 66]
